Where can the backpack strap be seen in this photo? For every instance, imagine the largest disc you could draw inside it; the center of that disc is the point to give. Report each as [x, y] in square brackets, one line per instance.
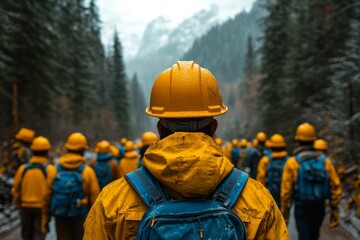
[146, 186]
[230, 188]
[28, 166]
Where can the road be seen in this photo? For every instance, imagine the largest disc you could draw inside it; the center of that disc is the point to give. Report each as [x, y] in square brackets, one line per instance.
[334, 234]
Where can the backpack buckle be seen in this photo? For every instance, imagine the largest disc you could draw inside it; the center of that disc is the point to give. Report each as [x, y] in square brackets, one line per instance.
[223, 198]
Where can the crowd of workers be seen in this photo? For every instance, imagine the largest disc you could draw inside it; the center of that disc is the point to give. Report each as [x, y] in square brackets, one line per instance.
[180, 184]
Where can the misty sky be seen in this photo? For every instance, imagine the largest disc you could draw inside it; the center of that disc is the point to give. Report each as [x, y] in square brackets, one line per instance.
[131, 16]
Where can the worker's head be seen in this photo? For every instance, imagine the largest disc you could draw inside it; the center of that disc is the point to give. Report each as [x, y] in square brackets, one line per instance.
[186, 98]
[76, 143]
[40, 146]
[25, 135]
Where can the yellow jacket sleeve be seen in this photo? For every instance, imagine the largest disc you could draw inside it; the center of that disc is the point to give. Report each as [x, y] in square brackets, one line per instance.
[289, 177]
[90, 185]
[262, 170]
[17, 184]
[335, 187]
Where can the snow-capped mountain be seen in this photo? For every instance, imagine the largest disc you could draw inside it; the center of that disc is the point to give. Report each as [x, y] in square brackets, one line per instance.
[163, 43]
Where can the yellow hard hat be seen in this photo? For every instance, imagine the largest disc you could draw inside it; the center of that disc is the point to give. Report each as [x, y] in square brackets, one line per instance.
[129, 146]
[185, 91]
[40, 144]
[219, 141]
[139, 145]
[255, 143]
[234, 142]
[25, 135]
[148, 138]
[243, 143]
[305, 132]
[102, 147]
[114, 151]
[123, 141]
[320, 144]
[277, 141]
[76, 141]
[261, 137]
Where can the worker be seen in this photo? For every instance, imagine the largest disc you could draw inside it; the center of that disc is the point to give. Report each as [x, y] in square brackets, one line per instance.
[235, 151]
[21, 152]
[189, 168]
[243, 145]
[309, 181]
[104, 166]
[121, 148]
[29, 188]
[254, 155]
[147, 138]
[73, 189]
[130, 161]
[270, 168]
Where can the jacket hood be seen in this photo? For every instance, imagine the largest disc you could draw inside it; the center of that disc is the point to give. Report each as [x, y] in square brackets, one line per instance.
[279, 154]
[72, 160]
[38, 160]
[190, 165]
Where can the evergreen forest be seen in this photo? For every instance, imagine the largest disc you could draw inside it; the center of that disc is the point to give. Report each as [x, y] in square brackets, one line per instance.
[283, 63]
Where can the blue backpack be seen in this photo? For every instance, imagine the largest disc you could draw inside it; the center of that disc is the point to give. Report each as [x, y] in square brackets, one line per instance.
[67, 191]
[313, 180]
[210, 218]
[40, 166]
[103, 173]
[274, 176]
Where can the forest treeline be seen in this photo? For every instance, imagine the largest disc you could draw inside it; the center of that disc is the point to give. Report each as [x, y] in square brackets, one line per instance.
[56, 76]
[303, 67]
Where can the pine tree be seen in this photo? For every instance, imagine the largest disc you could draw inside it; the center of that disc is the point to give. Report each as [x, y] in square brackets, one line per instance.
[250, 61]
[274, 50]
[345, 89]
[29, 60]
[119, 92]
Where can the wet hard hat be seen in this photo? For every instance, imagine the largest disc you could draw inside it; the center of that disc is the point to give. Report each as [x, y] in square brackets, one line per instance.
[25, 135]
[102, 147]
[40, 144]
[261, 137]
[243, 143]
[255, 143]
[235, 142]
[114, 151]
[129, 146]
[148, 138]
[76, 141]
[305, 132]
[320, 144]
[277, 141]
[123, 141]
[185, 91]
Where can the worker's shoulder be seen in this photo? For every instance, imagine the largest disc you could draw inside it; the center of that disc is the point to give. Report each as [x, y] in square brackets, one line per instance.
[120, 197]
[255, 200]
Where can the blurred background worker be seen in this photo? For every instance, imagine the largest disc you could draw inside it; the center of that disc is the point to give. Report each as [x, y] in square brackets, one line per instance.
[187, 164]
[30, 186]
[130, 161]
[243, 145]
[321, 146]
[270, 168]
[310, 180]
[256, 153]
[105, 167]
[21, 152]
[74, 188]
[147, 138]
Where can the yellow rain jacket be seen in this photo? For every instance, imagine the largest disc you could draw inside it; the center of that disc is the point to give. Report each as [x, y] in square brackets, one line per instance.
[261, 175]
[290, 174]
[29, 190]
[90, 183]
[190, 165]
[128, 163]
